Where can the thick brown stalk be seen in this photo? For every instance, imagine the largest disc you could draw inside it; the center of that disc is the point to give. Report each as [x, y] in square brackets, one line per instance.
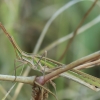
[42, 80]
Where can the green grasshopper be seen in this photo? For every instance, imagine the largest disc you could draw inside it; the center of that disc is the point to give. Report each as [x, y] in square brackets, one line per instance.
[52, 65]
[27, 59]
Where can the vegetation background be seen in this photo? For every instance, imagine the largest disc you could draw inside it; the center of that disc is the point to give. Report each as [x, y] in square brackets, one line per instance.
[25, 20]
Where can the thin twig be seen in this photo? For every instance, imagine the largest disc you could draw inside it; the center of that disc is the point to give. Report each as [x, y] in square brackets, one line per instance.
[70, 35]
[5, 92]
[75, 32]
[58, 12]
[88, 65]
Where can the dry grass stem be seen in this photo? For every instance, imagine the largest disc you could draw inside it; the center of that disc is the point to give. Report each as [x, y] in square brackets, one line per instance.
[88, 65]
[75, 32]
[22, 79]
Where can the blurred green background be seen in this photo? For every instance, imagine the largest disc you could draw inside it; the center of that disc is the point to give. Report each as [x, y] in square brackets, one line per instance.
[25, 20]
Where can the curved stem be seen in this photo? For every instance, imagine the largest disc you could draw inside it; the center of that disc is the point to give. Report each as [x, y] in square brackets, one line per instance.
[75, 32]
